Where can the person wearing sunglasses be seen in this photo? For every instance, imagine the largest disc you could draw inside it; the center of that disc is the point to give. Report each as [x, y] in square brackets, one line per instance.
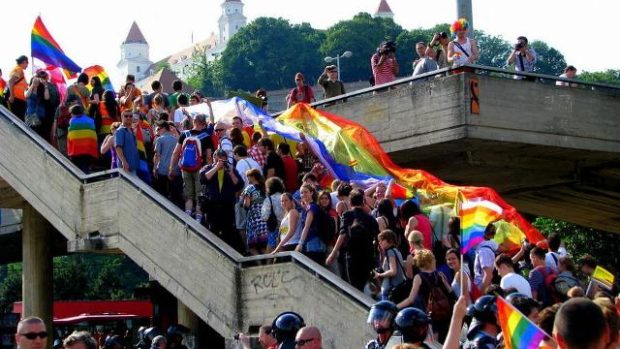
[31, 333]
[309, 338]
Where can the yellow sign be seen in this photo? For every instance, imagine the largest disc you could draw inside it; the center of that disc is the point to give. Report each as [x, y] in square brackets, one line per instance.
[603, 276]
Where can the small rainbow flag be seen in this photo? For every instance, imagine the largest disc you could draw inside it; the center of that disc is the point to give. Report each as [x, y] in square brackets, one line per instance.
[475, 216]
[519, 332]
[45, 48]
[97, 70]
[143, 166]
[603, 277]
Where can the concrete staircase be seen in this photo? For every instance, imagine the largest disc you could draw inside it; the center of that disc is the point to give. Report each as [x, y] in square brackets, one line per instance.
[115, 212]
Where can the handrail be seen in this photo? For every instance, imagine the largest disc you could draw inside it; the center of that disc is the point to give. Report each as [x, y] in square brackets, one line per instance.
[195, 227]
[447, 71]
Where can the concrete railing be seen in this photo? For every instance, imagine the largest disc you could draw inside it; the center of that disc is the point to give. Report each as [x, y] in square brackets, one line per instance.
[204, 273]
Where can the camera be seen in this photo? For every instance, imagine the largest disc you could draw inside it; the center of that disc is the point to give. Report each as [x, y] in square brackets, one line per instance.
[387, 47]
[519, 45]
[376, 271]
[236, 336]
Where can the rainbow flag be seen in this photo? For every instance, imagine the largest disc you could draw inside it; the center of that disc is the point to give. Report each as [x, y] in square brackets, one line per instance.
[340, 143]
[475, 215]
[45, 48]
[604, 277]
[519, 332]
[97, 70]
[143, 165]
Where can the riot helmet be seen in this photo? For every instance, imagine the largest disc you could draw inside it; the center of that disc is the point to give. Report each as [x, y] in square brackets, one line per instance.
[412, 324]
[381, 316]
[286, 325]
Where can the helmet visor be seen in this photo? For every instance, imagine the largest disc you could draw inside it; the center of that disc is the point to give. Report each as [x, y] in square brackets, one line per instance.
[380, 319]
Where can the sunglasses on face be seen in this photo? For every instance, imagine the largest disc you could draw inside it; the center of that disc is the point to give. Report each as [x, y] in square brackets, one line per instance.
[302, 342]
[34, 335]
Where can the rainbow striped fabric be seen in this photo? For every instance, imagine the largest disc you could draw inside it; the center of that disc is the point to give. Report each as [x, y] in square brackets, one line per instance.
[97, 70]
[475, 215]
[351, 153]
[519, 332]
[82, 137]
[45, 48]
[143, 166]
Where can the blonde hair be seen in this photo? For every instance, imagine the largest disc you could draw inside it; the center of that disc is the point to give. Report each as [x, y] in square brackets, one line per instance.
[416, 238]
[424, 259]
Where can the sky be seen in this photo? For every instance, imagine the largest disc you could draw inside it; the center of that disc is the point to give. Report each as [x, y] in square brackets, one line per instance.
[92, 32]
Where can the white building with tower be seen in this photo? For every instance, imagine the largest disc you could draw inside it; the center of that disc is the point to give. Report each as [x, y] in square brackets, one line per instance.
[135, 54]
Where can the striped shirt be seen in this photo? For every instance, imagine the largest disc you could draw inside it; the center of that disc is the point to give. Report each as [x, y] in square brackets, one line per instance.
[383, 73]
[82, 137]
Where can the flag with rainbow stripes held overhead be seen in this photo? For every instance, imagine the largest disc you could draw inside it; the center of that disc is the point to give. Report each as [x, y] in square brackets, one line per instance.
[99, 71]
[519, 331]
[46, 49]
[475, 215]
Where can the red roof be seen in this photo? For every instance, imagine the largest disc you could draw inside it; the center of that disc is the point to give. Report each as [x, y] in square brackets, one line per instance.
[384, 7]
[135, 35]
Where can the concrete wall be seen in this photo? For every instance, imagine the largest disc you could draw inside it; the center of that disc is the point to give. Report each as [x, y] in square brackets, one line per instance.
[411, 116]
[533, 113]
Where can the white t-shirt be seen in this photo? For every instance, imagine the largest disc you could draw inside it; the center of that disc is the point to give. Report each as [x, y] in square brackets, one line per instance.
[244, 165]
[517, 282]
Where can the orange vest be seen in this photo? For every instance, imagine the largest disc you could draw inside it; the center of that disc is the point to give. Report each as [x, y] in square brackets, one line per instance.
[19, 88]
[2, 86]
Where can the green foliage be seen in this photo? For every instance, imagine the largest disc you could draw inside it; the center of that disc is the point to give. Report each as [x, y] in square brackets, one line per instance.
[580, 241]
[206, 76]
[406, 42]
[161, 65]
[360, 35]
[609, 76]
[549, 60]
[494, 50]
[10, 286]
[79, 277]
[268, 52]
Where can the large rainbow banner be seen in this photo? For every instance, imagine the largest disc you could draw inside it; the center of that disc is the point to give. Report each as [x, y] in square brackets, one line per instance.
[351, 153]
[45, 48]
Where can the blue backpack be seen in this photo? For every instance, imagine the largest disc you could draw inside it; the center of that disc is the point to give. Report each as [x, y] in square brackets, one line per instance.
[191, 152]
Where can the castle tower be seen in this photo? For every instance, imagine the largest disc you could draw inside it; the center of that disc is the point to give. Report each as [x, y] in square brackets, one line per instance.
[384, 10]
[231, 20]
[134, 54]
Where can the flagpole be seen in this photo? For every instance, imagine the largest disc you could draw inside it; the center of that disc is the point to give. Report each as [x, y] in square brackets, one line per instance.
[458, 205]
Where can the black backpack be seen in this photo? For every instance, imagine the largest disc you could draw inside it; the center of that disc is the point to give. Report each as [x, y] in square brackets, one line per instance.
[325, 226]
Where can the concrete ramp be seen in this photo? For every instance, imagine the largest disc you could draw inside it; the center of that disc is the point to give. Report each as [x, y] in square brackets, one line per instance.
[117, 213]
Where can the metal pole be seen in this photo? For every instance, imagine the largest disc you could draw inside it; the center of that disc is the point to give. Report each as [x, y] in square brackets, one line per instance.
[338, 65]
[464, 9]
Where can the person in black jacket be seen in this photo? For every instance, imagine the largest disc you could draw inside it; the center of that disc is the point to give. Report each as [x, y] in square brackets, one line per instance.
[358, 231]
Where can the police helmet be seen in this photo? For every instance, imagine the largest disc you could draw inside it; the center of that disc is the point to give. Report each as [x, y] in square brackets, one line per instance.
[177, 330]
[112, 341]
[412, 324]
[286, 325]
[484, 309]
[150, 333]
[381, 316]
[515, 295]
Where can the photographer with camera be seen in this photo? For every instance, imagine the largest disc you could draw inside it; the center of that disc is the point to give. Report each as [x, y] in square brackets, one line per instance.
[438, 49]
[523, 58]
[383, 63]
[265, 338]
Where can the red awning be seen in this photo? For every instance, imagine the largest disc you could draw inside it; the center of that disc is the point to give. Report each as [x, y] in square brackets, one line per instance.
[96, 318]
[70, 309]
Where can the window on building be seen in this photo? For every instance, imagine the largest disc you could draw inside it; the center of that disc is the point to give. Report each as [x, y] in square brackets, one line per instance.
[137, 69]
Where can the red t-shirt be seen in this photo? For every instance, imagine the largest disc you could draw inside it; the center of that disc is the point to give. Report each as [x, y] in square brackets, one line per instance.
[290, 173]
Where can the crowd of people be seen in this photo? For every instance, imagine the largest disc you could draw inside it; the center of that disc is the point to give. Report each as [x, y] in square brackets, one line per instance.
[261, 194]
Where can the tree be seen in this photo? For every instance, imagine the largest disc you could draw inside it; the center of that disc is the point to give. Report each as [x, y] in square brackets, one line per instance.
[206, 76]
[360, 35]
[70, 277]
[268, 52]
[406, 42]
[549, 60]
[580, 241]
[10, 287]
[494, 50]
[609, 76]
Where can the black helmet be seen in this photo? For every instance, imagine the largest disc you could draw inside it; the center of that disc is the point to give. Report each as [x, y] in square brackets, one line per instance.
[381, 316]
[150, 333]
[515, 295]
[286, 325]
[112, 341]
[412, 324]
[484, 310]
[176, 330]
